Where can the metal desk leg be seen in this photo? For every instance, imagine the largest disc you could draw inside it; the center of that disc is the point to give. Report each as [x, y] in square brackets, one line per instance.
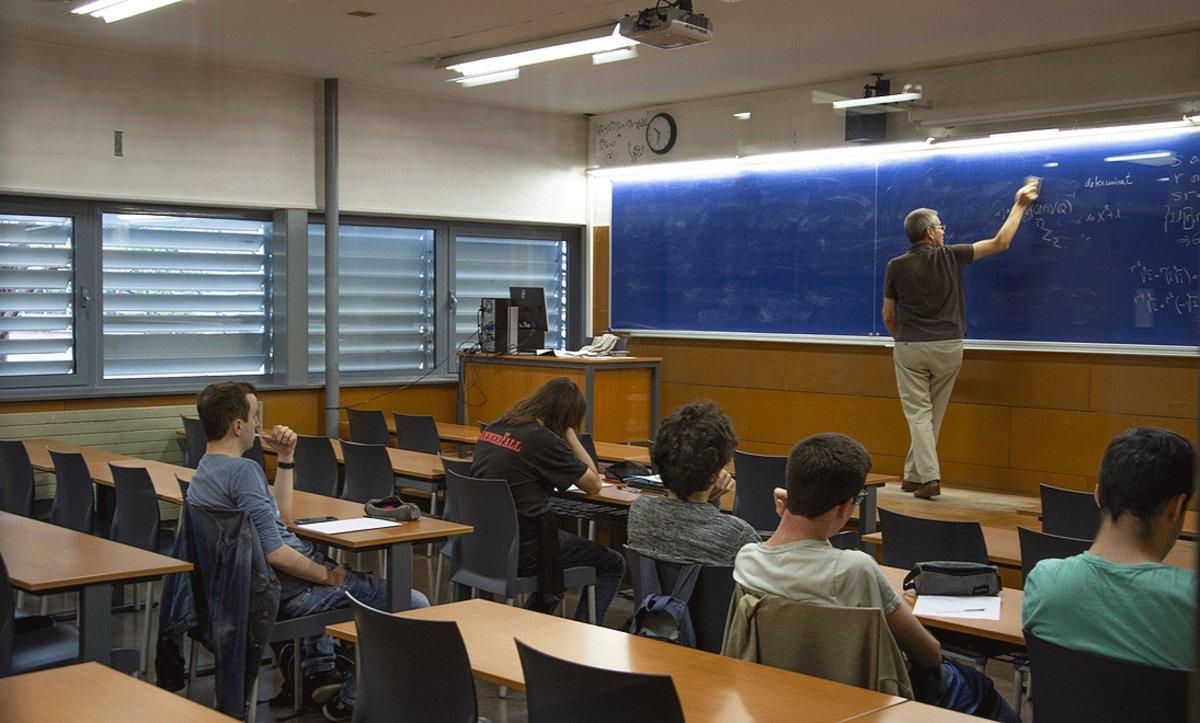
[399, 576]
[866, 518]
[95, 618]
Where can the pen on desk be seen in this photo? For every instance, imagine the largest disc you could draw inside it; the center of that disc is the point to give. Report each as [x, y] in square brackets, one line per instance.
[972, 610]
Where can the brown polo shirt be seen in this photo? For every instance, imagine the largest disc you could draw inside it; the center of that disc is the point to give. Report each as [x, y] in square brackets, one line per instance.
[928, 288]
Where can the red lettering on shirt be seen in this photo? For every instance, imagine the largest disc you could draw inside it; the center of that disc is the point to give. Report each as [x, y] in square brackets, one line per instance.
[506, 441]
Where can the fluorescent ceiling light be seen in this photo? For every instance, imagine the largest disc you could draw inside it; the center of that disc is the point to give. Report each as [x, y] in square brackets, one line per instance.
[742, 116]
[1158, 158]
[613, 56]
[576, 44]
[470, 81]
[1026, 135]
[113, 10]
[877, 100]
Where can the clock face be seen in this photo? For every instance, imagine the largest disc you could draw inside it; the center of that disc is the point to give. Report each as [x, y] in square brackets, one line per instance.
[660, 133]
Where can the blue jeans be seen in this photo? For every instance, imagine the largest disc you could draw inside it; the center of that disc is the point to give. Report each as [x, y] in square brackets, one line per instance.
[576, 551]
[965, 690]
[318, 649]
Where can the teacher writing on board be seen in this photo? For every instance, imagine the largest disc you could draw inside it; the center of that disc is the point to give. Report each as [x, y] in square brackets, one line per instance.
[923, 309]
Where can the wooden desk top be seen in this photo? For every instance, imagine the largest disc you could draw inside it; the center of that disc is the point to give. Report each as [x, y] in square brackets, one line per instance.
[910, 711]
[306, 504]
[162, 474]
[42, 557]
[93, 692]
[404, 462]
[710, 687]
[560, 360]
[1191, 520]
[1004, 549]
[1006, 630]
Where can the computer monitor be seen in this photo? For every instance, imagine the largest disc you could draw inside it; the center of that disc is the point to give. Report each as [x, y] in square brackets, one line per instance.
[532, 324]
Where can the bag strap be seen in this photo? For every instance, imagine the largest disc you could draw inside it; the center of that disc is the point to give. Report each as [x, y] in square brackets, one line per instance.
[685, 584]
[651, 585]
[910, 580]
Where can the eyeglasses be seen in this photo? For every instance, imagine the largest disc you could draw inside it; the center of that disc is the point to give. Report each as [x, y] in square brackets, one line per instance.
[860, 498]
[940, 226]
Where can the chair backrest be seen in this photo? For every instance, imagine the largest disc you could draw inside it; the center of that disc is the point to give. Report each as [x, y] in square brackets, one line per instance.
[709, 604]
[1037, 546]
[417, 432]
[368, 426]
[256, 453]
[589, 446]
[194, 441]
[411, 669]
[560, 690]
[316, 466]
[848, 540]
[1073, 685]
[16, 478]
[135, 517]
[74, 502]
[490, 552]
[757, 477]
[1069, 513]
[8, 622]
[908, 540]
[369, 472]
[456, 464]
[183, 486]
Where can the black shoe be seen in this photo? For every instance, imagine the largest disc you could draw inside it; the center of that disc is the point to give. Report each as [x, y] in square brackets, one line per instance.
[338, 710]
[323, 686]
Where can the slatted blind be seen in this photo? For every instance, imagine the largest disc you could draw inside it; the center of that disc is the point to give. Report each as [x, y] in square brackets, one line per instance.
[385, 300]
[37, 309]
[185, 296]
[487, 267]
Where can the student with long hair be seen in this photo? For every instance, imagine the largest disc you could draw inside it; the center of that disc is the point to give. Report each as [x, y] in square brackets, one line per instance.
[533, 446]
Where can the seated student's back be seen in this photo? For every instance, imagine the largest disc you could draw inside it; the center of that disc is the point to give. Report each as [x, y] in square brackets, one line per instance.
[1118, 599]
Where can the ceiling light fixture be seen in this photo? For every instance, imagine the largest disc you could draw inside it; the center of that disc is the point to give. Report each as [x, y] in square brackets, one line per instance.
[613, 56]
[110, 11]
[911, 92]
[470, 81]
[587, 42]
[744, 115]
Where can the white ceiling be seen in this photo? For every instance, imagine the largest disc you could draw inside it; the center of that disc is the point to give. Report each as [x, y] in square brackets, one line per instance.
[758, 44]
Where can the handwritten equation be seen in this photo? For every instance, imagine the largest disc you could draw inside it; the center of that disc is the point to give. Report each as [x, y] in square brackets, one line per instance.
[1148, 301]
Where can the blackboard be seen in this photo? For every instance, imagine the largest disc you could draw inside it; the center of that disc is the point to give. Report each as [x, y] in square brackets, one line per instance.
[1107, 257]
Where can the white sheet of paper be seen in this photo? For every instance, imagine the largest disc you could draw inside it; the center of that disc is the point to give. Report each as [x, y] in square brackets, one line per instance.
[354, 524]
[952, 606]
[575, 488]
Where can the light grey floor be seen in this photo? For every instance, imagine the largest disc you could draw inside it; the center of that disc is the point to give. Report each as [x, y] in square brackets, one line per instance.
[127, 631]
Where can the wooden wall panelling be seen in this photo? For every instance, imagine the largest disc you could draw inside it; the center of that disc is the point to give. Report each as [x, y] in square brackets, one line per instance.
[490, 393]
[1138, 385]
[600, 274]
[617, 393]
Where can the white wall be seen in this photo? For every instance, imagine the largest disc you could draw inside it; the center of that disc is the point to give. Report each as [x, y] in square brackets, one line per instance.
[1114, 82]
[205, 135]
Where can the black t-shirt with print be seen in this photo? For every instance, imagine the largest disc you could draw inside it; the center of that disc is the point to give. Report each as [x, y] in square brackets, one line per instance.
[532, 459]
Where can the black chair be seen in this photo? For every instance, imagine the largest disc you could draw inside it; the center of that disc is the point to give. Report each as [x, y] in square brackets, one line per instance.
[74, 501]
[411, 669]
[848, 540]
[417, 432]
[316, 466]
[908, 540]
[1038, 546]
[44, 646]
[487, 558]
[1069, 513]
[709, 605]
[368, 426]
[16, 478]
[461, 467]
[560, 690]
[183, 486]
[136, 523]
[757, 477]
[256, 453]
[194, 441]
[589, 446]
[368, 472]
[1072, 685]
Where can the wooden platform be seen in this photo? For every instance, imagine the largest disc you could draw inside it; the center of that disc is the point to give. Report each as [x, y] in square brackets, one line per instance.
[991, 509]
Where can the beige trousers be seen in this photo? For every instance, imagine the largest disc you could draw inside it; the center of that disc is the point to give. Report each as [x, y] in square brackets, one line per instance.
[925, 374]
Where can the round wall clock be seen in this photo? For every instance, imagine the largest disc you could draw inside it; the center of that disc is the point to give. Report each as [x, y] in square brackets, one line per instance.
[661, 133]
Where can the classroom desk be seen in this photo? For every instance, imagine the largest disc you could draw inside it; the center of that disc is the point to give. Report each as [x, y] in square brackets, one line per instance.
[711, 687]
[1191, 520]
[1006, 631]
[44, 558]
[90, 692]
[396, 542]
[1004, 549]
[910, 711]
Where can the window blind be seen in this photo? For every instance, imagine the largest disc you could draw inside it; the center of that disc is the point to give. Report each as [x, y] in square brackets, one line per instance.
[385, 300]
[185, 296]
[37, 307]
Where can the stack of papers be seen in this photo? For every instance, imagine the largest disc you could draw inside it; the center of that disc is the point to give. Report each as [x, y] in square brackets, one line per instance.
[953, 606]
[355, 524]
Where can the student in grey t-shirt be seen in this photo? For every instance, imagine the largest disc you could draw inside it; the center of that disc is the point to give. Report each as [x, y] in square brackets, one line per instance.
[690, 451]
[924, 311]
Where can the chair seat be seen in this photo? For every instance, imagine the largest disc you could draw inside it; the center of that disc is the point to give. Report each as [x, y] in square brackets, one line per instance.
[572, 577]
[45, 647]
[306, 625]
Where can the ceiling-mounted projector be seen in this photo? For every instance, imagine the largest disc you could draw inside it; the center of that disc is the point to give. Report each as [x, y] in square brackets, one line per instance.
[669, 26]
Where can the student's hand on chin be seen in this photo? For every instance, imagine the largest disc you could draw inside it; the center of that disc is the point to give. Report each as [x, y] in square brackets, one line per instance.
[281, 440]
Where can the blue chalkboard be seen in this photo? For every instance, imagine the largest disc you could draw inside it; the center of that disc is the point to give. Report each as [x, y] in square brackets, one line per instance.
[1107, 256]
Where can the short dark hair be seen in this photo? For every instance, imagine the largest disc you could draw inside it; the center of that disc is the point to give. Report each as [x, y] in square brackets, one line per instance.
[1142, 469]
[823, 471]
[692, 445]
[219, 404]
[558, 403]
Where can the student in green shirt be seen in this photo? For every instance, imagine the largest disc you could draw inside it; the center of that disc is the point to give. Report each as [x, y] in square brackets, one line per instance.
[1118, 599]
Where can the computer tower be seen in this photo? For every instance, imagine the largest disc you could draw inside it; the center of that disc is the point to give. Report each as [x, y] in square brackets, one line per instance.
[497, 326]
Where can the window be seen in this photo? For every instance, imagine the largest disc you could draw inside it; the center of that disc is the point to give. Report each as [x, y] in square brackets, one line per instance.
[385, 300]
[486, 266]
[37, 296]
[185, 296]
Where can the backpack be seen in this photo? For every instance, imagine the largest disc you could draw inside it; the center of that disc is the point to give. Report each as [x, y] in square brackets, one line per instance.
[665, 617]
